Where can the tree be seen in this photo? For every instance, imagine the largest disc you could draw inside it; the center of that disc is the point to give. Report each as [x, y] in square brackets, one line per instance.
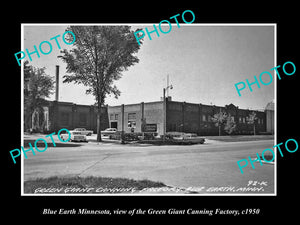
[230, 125]
[251, 119]
[37, 86]
[99, 56]
[219, 119]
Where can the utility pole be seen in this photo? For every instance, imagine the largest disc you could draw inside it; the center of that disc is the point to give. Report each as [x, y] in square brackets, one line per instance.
[164, 114]
[165, 107]
[167, 85]
[122, 119]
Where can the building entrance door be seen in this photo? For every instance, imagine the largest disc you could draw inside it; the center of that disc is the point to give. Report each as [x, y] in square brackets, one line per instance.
[114, 125]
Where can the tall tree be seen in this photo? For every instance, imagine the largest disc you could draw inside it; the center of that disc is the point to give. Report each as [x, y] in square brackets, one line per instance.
[37, 86]
[99, 56]
[219, 119]
[251, 119]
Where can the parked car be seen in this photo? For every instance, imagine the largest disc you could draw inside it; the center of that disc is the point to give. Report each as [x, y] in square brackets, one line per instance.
[75, 136]
[108, 131]
[184, 136]
[84, 131]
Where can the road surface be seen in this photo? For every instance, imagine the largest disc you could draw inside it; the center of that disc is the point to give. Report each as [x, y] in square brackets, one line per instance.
[213, 164]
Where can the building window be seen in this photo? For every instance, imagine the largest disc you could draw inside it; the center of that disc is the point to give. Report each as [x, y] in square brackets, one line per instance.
[203, 117]
[131, 120]
[131, 124]
[111, 116]
[131, 116]
[244, 120]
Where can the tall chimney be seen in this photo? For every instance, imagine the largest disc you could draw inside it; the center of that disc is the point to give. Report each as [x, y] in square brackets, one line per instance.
[57, 83]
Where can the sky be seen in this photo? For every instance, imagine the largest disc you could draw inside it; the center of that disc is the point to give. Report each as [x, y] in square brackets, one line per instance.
[204, 62]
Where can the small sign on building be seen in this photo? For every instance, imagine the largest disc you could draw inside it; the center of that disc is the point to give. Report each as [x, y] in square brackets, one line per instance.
[150, 128]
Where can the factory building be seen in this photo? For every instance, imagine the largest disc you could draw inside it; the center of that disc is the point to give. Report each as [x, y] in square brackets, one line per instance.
[58, 115]
[149, 117]
[160, 116]
[269, 110]
[180, 117]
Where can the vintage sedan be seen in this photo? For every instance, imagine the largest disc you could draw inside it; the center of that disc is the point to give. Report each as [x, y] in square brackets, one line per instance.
[108, 131]
[75, 136]
[188, 138]
[84, 131]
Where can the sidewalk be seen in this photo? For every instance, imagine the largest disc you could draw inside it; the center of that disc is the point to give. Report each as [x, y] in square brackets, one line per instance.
[240, 138]
[92, 140]
[31, 138]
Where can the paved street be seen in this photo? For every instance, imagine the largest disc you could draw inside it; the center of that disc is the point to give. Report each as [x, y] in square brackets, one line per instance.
[213, 164]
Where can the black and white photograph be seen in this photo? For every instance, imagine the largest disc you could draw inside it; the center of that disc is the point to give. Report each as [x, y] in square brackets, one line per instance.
[150, 111]
[146, 112]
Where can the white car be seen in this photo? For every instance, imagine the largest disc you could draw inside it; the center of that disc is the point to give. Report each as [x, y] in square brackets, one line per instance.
[185, 136]
[84, 131]
[108, 131]
[75, 136]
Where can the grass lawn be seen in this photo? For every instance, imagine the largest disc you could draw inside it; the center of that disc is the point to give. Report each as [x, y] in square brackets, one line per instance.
[80, 185]
[235, 138]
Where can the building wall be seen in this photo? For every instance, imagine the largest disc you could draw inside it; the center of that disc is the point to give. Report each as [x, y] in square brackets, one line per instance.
[207, 127]
[115, 116]
[269, 110]
[181, 117]
[153, 115]
[136, 115]
[270, 121]
[132, 118]
[70, 116]
[196, 118]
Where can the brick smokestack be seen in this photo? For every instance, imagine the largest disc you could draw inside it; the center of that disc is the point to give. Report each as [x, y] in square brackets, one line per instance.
[57, 83]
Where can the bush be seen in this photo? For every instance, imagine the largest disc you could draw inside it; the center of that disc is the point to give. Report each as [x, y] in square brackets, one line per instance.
[149, 135]
[230, 126]
[133, 136]
[116, 136]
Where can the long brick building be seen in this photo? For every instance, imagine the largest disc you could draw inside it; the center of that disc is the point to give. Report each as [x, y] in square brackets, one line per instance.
[58, 115]
[150, 117]
[180, 117]
[160, 116]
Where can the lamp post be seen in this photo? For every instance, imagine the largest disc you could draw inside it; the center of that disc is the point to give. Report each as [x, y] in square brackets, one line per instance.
[165, 111]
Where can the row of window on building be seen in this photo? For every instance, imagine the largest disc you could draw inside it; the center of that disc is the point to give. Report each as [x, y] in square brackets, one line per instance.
[205, 118]
[208, 118]
[131, 119]
[131, 116]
